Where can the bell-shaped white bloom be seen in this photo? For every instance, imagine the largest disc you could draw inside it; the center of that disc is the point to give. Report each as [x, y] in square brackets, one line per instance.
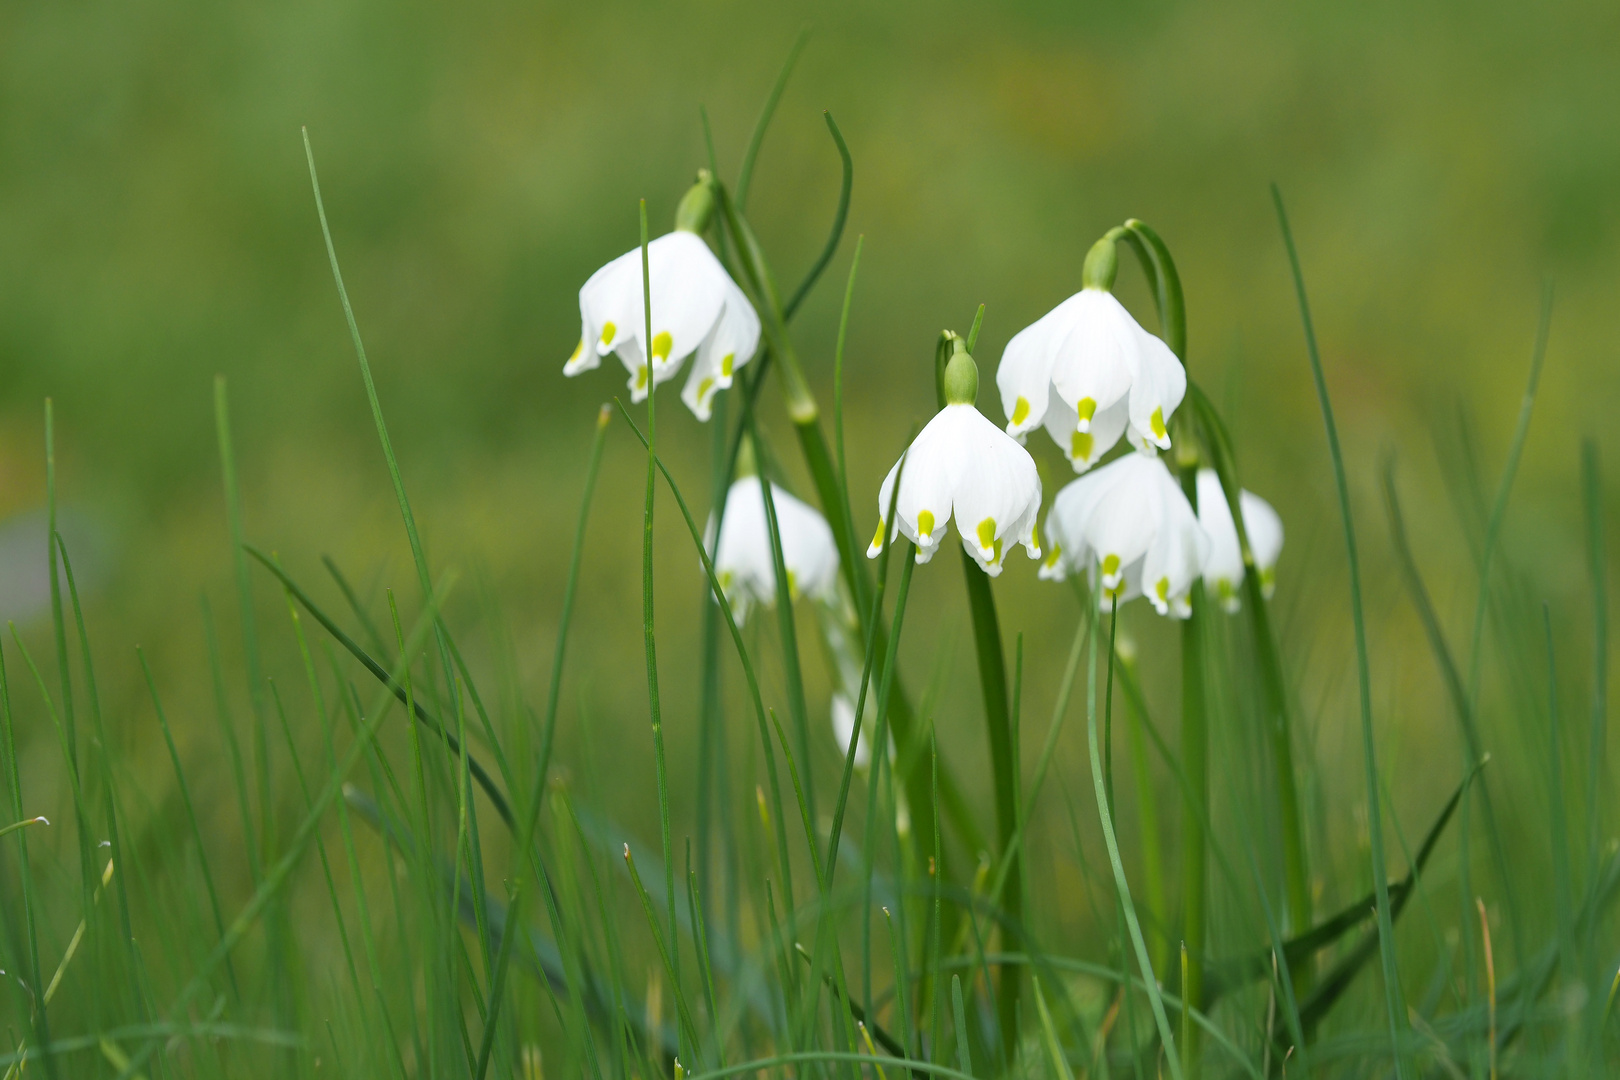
[1090, 373]
[963, 465]
[744, 562]
[1224, 574]
[696, 308]
[1129, 527]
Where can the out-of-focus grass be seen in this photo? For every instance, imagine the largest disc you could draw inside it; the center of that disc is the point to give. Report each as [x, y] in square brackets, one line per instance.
[480, 160]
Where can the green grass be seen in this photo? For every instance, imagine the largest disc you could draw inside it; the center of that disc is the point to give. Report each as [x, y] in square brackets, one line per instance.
[348, 869]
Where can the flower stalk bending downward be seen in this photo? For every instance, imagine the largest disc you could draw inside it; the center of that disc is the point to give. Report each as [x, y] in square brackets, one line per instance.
[962, 465]
[700, 310]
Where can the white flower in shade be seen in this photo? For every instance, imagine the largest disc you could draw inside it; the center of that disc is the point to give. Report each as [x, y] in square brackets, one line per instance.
[961, 464]
[696, 308]
[1129, 528]
[1089, 373]
[1224, 574]
[744, 561]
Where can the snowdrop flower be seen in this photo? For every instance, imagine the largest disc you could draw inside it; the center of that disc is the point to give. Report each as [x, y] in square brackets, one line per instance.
[1224, 574]
[1129, 525]
[744, 562]
[1089, 373]
[696, 308]
[962, 464]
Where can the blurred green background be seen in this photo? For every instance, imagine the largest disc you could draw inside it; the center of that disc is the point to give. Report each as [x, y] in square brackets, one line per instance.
[479, 160]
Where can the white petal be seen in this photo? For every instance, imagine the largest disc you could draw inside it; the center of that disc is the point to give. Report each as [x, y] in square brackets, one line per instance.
[1179, 551]
[1095, 362]
[1265, 529]
[1024, 375]
[1224, 571]
[745, 556]
[1158, 383]
[1127, 515]
[926, 491]
[729, 346]
[1085, 448]
[998, 490]
[688, 287]
[585, 355]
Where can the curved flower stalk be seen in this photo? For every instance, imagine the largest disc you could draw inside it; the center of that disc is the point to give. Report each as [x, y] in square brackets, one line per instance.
[743, 560]
[1089, 373]
[1129, 528]
[1224, 574]
[697, 308]
[962, 465]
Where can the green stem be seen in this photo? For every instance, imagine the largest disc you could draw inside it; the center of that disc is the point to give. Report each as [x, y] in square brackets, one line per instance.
[1195, 763]
[1147, 812]
[653, 705]
[993, 682]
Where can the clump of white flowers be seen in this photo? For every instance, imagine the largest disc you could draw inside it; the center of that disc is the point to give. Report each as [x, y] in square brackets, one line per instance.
[696, 308]
[963, 465]
[1089, 373]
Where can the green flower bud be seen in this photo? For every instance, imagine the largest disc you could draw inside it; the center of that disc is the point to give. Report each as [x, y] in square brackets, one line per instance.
[1102, 265]
[697, 205]
[961, 376]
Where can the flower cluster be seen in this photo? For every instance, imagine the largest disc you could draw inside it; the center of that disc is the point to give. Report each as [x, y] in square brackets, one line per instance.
[1090, 374]
[1086, 371]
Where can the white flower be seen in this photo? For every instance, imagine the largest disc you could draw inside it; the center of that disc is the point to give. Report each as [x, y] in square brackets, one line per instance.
[696, 307]
[1224, 574]
[744, 562]
[1090, 373]
[1129, 526]
[962, 464]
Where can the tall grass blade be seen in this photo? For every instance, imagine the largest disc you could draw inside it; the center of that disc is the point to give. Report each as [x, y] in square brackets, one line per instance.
[1395, 1005]
[745, 175]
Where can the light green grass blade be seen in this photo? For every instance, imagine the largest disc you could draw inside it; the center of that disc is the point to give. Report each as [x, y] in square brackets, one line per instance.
[1394, 999]
[745, 175]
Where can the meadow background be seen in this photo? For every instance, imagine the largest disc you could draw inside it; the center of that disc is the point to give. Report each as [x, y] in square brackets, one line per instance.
[1441, 161]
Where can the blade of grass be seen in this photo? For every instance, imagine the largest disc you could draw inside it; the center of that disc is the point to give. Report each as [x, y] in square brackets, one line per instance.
[745, 175]
[1121, 886]
[191, 814]
[1393, 996]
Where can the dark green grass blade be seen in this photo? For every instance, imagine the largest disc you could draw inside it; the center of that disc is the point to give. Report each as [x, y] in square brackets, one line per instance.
[1597, 563]
[250, 633]
[1393, 997]
[222, 715]
[1510, 470]
[424, 717]
[191, 814]
[37, 1017]
[745, 175]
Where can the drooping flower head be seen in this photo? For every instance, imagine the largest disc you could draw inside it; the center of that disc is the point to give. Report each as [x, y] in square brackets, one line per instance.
[1129, 528]
[696, 308]
[1224, 574]
[963, 465]
[744, 561]
[1089, 373]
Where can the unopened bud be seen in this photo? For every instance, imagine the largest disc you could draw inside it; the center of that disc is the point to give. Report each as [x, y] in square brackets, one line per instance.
[961, 376]
[1102, 265]
[697, 205]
